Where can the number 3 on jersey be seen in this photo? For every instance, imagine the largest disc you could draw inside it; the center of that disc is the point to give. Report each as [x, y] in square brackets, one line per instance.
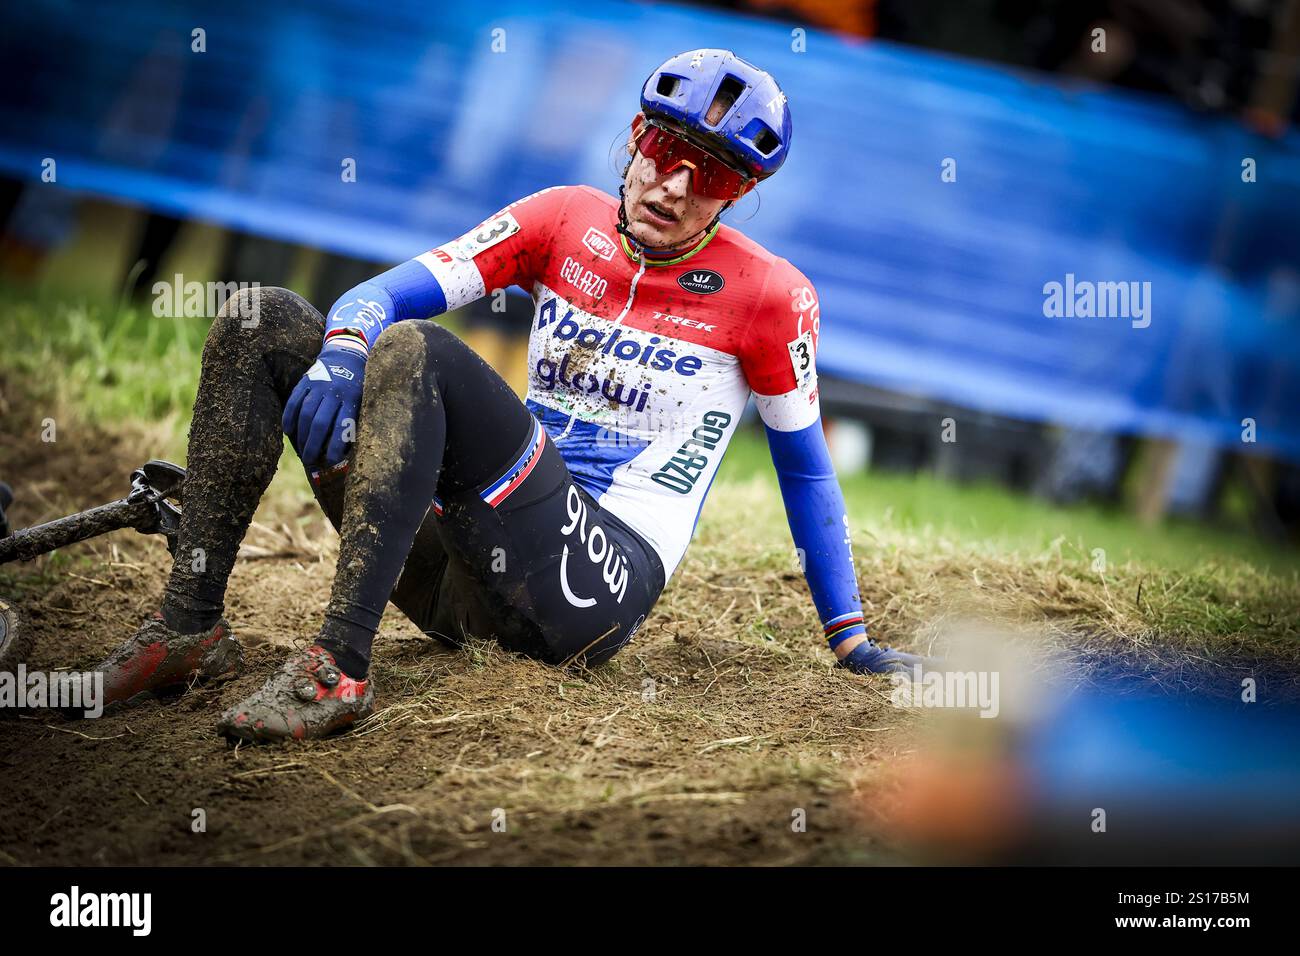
[801, 359]
[487, 235]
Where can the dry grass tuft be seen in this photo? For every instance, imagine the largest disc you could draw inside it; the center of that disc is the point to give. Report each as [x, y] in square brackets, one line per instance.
[698, 744]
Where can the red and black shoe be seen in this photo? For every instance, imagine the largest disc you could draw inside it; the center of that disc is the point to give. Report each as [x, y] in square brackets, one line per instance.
[157, 657]
[309, 697]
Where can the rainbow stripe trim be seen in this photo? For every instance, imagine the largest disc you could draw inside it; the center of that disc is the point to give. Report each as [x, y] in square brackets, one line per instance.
[840, 629]
[501, 489]
[656, 258]
[353, 339]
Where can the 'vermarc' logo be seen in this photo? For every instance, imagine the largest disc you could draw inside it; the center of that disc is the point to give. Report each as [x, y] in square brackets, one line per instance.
[702, 281]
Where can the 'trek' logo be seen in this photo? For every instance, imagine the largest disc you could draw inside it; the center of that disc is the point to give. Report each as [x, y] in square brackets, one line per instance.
[685, 323]
[701, 281]
[599, 244]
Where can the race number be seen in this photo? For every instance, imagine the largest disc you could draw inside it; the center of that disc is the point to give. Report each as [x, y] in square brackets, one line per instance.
[487, 235]
[801, 360]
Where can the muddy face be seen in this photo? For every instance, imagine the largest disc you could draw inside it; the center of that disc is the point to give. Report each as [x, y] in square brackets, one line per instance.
[664, 212]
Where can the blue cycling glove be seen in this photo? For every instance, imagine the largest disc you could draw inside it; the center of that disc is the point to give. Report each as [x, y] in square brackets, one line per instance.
[320, 417]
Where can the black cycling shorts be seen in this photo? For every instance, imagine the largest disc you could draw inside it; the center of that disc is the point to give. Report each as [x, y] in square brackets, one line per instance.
[512, 547]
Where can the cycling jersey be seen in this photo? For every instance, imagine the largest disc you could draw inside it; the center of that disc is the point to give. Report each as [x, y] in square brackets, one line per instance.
[640, 368]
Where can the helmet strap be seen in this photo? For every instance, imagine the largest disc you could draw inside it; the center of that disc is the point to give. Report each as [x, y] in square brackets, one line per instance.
[638, 244]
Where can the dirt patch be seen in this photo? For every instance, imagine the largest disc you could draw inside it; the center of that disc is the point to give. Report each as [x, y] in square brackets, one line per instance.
[723, 734]
[690, 747]
[474, 757]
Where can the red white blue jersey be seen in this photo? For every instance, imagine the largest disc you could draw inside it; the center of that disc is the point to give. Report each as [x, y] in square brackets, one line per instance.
[640, 372]
[640, 368]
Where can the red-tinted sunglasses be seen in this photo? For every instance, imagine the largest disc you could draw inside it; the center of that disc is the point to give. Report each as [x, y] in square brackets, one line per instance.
[710, 176]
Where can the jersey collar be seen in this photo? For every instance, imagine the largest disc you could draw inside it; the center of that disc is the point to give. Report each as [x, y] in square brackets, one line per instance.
[653, 258]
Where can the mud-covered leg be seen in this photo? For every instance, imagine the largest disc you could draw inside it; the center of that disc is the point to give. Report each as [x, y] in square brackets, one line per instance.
[390, 486]
[424, 592]
[259, 346]
[405, 450]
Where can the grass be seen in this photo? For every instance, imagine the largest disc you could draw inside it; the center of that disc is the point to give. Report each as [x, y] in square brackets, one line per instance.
[112, 362]
[748, 718]
[991, 519]
[109, 362]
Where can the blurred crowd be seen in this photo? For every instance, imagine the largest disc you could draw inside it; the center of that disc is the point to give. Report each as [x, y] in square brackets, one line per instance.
[1236, 57]
[1221, 55]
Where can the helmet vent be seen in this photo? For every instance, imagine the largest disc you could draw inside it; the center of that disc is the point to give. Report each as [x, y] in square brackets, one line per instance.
[766, 142]
[729, 91]
[667, 85]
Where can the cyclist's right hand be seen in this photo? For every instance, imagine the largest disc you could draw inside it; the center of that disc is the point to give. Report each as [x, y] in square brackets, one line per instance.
[320, 417]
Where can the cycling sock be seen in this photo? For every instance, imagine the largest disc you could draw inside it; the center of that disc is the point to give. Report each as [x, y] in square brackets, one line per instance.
[187, 614]
[352, 662]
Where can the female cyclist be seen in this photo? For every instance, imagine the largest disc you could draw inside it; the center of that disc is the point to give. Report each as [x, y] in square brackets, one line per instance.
[553, 524]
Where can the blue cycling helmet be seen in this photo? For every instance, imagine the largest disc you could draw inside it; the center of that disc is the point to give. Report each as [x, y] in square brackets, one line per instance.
[755, 129]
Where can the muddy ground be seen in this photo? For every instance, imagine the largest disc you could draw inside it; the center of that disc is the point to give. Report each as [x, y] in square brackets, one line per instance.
[704, 742]
[690, 747]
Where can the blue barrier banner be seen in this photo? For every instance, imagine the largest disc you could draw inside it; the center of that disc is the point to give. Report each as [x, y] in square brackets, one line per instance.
[1009, 242]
